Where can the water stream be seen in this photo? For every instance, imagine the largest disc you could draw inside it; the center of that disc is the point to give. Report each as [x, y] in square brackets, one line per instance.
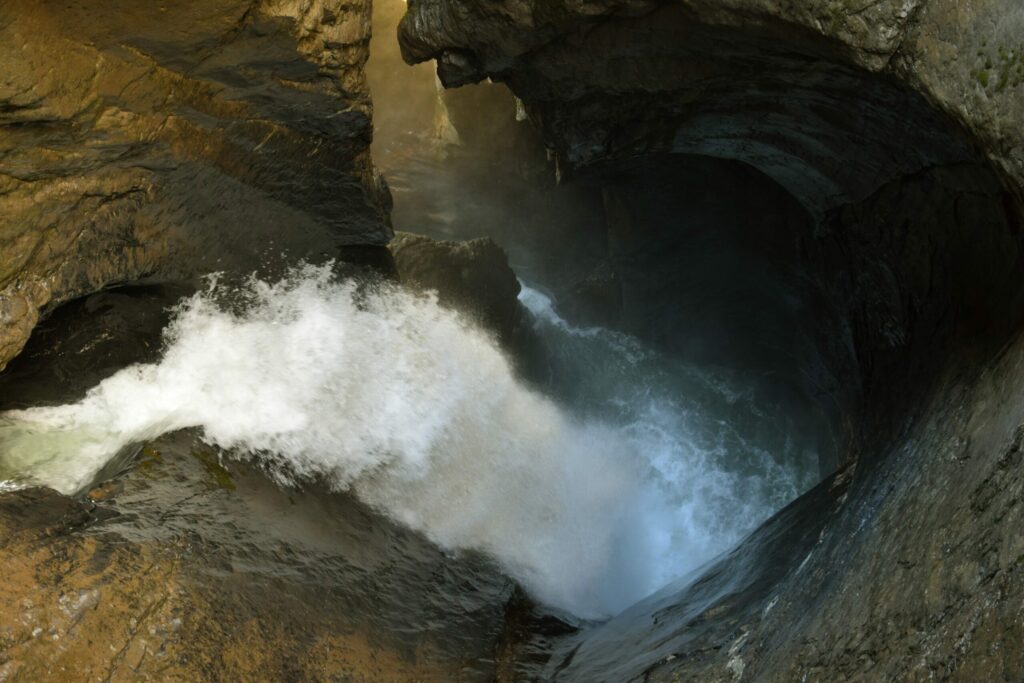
[629, 470]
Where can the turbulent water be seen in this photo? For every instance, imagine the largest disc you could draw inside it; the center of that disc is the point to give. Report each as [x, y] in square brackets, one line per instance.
[629, 475]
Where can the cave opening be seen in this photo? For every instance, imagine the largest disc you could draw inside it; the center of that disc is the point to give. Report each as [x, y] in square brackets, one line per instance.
[818, 229]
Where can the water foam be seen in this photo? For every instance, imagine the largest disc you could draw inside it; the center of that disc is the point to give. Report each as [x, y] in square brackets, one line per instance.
[717, 461]
[417, 412]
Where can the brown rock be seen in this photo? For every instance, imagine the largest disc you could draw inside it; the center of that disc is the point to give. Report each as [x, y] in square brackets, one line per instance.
[178, 580]
[472, 277]
[169, 142]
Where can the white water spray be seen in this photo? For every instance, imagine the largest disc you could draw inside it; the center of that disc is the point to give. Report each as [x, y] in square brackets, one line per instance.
[418, 413]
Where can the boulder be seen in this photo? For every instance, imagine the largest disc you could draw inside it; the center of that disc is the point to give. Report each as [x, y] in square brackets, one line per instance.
[472, 277]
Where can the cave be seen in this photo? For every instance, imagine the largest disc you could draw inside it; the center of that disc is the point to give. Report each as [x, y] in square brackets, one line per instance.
[614, 341]
[838, 238]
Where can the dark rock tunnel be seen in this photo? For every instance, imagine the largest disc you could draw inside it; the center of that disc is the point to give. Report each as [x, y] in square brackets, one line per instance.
[767, 205]
[819, 226]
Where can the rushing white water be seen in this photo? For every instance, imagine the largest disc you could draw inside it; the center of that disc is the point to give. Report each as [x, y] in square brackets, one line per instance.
[716, 461]
[418, 413]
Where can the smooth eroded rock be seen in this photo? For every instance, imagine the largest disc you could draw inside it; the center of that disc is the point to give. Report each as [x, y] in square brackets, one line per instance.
[173, 141]
[472, 277]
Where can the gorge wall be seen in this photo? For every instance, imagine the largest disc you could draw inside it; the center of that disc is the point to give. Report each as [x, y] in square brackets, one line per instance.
[836, 188]
[864, 115]
[166, 143]
[674, 66]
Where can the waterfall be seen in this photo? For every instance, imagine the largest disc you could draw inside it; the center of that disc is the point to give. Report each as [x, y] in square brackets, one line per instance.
[590, 504]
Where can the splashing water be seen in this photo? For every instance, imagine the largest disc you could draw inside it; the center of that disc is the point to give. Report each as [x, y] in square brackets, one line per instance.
[417, 412]
[716, 460]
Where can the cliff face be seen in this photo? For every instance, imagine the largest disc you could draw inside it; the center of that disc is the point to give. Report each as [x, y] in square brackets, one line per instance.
[877, 209]
[887, 123]
[167, 142]
[862, 114]
[146, 581]
[653, 73]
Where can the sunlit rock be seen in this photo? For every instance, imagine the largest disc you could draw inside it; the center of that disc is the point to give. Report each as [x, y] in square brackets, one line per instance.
[142, 141]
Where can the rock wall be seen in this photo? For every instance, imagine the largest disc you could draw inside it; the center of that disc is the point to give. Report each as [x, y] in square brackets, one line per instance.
[844, 107]
[167, 142]
[689, 58]
[472, 277]
[898, 127]
[907, 568]
[145, 581]
[463, 163]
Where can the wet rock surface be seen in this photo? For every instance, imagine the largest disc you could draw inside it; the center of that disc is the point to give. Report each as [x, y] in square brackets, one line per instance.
[173, 141]
[182, 563]
[729, 78]
[895, 127]
[86, 340]
[472, 277]
[906, 570]
[189, 568]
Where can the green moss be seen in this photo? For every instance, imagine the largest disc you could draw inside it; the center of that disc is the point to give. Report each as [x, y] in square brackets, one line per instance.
[1003, 70]
[219, 477]
[835, 18]
[149, 460]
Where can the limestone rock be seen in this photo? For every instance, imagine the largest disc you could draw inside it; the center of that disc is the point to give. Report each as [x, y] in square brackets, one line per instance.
[174, 575]
[472, 277]
[898, 126]
[83, 606]
[171, 141]
[740, 78]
